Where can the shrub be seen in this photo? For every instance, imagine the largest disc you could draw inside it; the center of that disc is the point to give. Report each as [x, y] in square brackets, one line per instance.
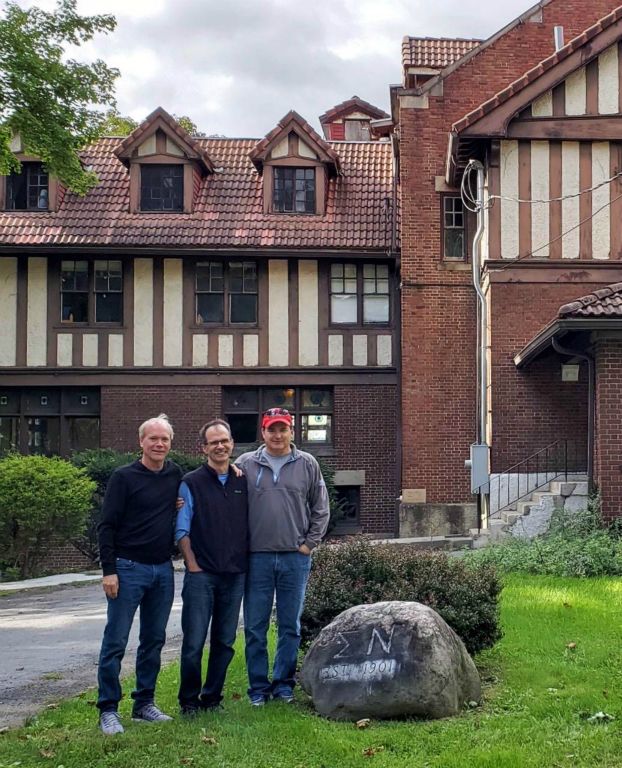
[357, 572]
[577, 544]
[41, 499]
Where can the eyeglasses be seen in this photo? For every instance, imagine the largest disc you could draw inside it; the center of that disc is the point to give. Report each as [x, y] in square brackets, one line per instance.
[277, 412]
[214, 443]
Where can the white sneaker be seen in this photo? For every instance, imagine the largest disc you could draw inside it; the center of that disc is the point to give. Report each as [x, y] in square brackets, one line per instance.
[149, 713]
[110, 723]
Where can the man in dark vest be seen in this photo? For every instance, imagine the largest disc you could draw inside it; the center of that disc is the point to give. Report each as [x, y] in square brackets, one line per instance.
[212, 534]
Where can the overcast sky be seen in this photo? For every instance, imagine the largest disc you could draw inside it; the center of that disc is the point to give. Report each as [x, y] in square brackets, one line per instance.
[236, 66]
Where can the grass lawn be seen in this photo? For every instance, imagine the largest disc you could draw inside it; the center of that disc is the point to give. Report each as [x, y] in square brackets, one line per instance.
[559, 662]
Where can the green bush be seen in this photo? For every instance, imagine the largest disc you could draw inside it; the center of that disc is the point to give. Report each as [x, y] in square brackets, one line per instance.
[41, 499]
[357, 572]
[577, 544]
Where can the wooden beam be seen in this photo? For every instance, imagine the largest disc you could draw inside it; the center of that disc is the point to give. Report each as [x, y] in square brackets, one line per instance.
[579, 128]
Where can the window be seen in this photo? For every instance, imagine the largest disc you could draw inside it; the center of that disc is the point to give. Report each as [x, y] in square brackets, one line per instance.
[91, 291]
[349, 509]
[311, 408]
[231, 287]
[356, 130]
[162, 188]
[359, 293]
[454, 239]
[27, 190]
[49, 422]
[294, 190]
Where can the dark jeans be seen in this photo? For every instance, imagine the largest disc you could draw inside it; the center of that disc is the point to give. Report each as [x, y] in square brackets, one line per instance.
[284, 574]
[208, 596]
[151, 587]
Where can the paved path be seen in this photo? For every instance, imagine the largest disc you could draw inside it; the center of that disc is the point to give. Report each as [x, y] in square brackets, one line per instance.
[49, 644]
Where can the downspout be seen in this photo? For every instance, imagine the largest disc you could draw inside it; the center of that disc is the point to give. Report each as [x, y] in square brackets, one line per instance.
[397, 314]
[591, 381]
[482, 324]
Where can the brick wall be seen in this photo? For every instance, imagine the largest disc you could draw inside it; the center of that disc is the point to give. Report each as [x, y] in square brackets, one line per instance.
[608, 428]
[123, 409]
[65, 558]
[366, 437]
[438, 305]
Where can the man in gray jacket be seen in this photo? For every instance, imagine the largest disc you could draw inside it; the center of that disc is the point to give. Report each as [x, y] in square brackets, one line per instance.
[288, 516]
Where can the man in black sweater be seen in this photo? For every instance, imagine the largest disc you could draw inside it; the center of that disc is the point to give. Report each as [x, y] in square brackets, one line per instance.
[212, 534]
[135, 546]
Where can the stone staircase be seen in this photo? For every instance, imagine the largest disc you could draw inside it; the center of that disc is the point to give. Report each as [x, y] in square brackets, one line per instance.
[531, 515]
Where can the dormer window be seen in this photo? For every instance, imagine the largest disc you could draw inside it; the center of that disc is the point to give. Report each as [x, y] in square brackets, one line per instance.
[294, 190]
[162, 188]
[28, 190]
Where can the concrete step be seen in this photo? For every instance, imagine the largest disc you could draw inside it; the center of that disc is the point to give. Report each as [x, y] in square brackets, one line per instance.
[444, 543]
[510, 516]
[567, 488]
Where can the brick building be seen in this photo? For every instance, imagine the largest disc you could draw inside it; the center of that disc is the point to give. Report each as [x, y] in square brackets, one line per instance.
[544, 123]
[208, 277]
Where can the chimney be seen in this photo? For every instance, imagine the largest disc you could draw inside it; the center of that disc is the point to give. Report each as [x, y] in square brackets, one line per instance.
[558, 36]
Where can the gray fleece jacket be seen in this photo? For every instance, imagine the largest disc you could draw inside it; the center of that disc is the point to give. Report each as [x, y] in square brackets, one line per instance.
[288, 509]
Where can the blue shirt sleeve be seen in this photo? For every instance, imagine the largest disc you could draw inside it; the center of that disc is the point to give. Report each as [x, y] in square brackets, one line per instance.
[185, 514]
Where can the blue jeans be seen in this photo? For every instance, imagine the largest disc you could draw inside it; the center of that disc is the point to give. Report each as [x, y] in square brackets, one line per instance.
[151, 587]
[208, 596]
[284, 574]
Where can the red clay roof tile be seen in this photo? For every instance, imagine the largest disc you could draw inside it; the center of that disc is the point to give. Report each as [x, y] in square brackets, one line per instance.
[434, 52]
[604, 302]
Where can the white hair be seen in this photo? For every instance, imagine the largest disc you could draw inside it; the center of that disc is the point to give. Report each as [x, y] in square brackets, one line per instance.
[162, 418]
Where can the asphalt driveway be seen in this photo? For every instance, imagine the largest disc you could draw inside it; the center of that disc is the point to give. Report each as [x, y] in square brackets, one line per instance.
[49, 641]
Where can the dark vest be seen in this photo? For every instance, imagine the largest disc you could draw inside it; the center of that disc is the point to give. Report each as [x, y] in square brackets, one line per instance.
[219, 528]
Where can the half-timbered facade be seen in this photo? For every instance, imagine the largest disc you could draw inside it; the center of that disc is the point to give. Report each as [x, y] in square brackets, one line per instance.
[546, 124]
[208, 277]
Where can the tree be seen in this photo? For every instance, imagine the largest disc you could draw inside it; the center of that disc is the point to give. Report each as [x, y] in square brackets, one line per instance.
[116, 124]
[41, 500]
[51, 102]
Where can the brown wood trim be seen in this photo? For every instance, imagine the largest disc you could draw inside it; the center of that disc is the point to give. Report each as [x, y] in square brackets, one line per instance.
[100, 377]
[555, 190]
[293, 313]
[293, 140]
[615, 191]
[597, 273]
[591, 87]
[160, 141]
[323, 311]
[128, 312]
[212, 350]
[268, 181]
[262, 310]
[22, 309]
[620, 76]
[134, 172]
[293, 162]
[585, 201]
[558, 97]
[76, 350]
[102, 349]
[160, 159]
[188, 187]
[494, 214]
[347, 348]
[53, 310]
[158, 312]
[372, 349]
[524, 192]
[238, 350]
[52, 193]
[495, 123]
[321, 184]
[188, 310]
[579, 127]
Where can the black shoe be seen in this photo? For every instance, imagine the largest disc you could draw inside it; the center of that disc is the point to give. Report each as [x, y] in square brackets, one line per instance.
[189, 711]
[210, 706]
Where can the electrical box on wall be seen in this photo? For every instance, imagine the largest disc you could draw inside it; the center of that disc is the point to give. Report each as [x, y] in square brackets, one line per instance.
[478, 464]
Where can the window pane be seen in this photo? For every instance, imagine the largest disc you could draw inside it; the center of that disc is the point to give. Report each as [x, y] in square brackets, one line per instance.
[236, 277]
[317, 399]
[210, 308]
[454, 244]
[316, 428]
[244, 426]
[108, 307]
[238, 399]
[343, 308]
[28, 189]
[162, 188]
[243, 308]
[43, 436]
[9, 436]
[75, 307]
[294, 190]
[350, 286]
[279, 398]
[83, 434]
[336, 270]
[350, 270]
[376, 309]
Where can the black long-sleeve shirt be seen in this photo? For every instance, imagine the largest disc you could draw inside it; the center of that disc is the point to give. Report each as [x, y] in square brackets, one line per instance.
[138, 515]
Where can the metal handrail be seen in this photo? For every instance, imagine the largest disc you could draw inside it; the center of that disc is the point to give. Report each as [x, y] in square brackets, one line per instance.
[555, 454]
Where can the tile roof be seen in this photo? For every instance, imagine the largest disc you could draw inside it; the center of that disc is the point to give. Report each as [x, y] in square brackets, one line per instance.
[604, 302]
[228, 211]
[355, 104]
[434, 52]
[535, 72]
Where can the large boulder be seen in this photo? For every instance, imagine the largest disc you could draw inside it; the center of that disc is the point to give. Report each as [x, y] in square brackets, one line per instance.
[391, 659]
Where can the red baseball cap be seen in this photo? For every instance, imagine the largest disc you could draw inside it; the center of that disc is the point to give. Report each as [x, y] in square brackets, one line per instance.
[274, 415]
